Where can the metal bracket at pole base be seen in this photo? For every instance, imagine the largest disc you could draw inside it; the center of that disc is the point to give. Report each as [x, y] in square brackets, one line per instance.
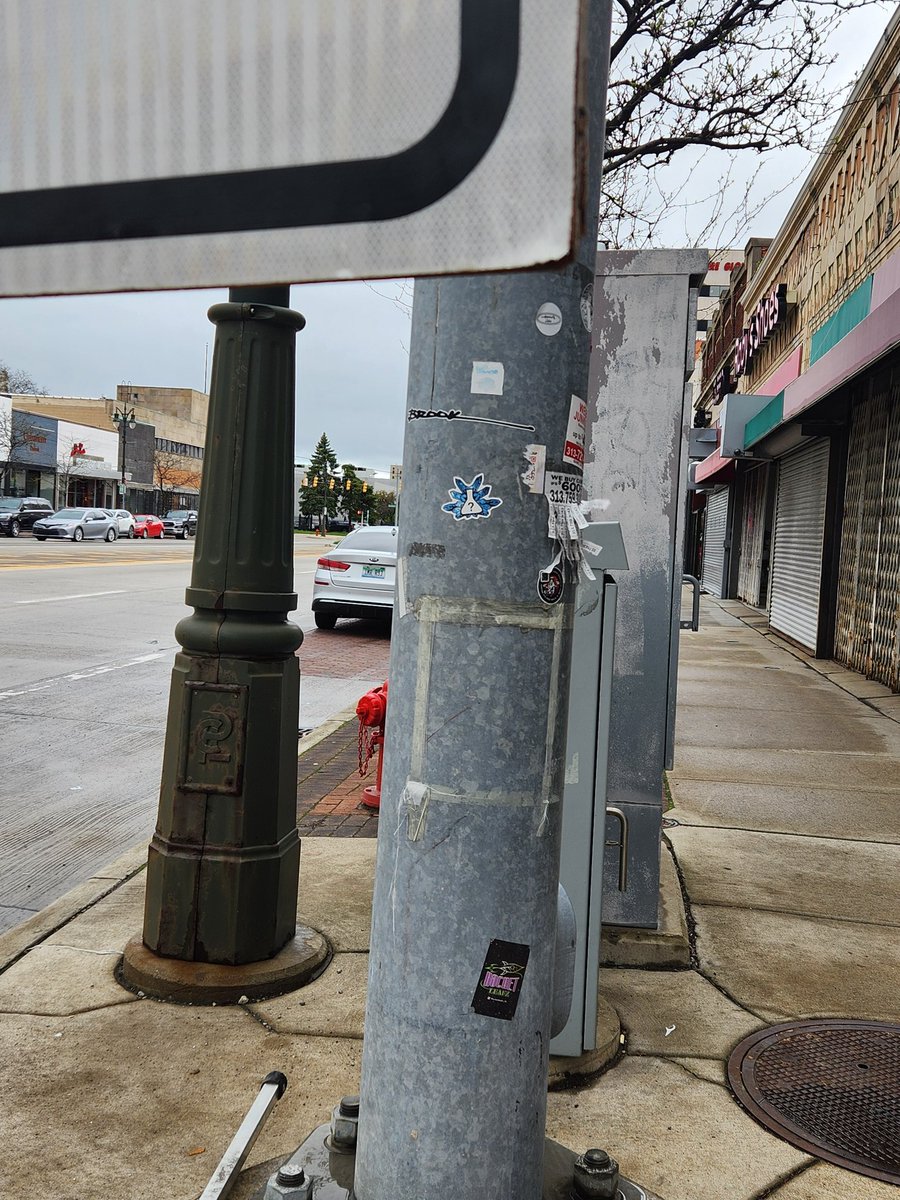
[327, 1174]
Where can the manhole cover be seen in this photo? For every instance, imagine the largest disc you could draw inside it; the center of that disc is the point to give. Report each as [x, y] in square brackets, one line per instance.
[831, 1088]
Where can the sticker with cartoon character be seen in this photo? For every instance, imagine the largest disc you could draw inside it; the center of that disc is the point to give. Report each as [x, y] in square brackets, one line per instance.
[470, 499]
[551, 585]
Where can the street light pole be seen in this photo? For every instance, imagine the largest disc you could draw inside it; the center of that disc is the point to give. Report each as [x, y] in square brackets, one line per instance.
[124, 418]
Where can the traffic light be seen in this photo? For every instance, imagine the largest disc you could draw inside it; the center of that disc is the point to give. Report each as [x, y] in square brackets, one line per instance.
[305, 482]
[315, 481]
[331, 485]
[347, 486]
[365, 488]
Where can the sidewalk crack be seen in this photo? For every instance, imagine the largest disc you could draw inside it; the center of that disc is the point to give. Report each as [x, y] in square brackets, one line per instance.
[789, 1176]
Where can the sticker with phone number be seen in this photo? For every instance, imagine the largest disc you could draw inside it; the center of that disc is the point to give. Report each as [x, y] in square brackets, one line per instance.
[561, 487]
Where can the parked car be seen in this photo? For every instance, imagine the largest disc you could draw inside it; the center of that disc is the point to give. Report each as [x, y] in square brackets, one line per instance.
[180, 523]
[77, 523]
[124, 521]
[356, 578]
[147, 526]
[21, 512]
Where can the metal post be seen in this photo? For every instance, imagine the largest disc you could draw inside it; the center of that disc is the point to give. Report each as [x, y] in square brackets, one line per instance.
[224, 860]
[454, 1076]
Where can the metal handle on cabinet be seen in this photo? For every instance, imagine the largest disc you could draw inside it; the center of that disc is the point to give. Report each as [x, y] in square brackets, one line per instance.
[622, 843]
[694, 622]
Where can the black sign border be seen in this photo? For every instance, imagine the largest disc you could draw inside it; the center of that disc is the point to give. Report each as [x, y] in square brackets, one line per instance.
[340, 193]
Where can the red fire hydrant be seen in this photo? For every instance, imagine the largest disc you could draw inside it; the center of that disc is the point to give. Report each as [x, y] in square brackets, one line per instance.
[372, 713]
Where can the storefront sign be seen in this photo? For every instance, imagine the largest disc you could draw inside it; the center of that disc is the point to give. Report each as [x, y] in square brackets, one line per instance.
[769, 314]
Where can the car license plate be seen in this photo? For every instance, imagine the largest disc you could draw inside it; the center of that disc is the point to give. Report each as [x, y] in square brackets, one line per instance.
[372, 572]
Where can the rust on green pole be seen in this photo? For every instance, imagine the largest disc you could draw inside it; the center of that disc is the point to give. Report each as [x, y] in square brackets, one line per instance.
[223, 865]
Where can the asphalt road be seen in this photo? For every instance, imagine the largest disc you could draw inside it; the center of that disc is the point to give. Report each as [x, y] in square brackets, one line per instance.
[86, 650]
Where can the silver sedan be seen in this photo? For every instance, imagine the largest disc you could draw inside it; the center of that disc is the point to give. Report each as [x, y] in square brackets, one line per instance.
[77, 523]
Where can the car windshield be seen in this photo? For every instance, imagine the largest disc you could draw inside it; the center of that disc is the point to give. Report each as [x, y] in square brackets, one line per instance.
[177, 512]
[70, 514]
[144, 517]
[7, 502]
[377, 537]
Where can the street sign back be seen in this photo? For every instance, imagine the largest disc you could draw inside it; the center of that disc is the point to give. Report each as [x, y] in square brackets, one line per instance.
[186, 143]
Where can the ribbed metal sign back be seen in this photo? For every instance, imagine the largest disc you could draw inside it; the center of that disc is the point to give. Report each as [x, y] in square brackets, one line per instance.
[867, 636]
[714, 542]
[799, 537]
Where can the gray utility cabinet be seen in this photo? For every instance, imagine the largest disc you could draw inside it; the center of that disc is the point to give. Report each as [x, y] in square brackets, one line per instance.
[585, 852]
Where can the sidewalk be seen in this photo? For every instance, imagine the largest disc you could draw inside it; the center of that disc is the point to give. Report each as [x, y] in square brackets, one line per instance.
[787, 801]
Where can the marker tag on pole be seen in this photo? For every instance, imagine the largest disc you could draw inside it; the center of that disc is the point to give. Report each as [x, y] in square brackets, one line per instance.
[500, 981]
[533, 475]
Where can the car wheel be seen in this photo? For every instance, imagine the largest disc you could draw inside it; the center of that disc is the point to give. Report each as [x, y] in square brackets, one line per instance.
[77, 533]
[144, 533]
[14, 529]
[111, 535]
[131, 532]
[161, 534]
[325, 620]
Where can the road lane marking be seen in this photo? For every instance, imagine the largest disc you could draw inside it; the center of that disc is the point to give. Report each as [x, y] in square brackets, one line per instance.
[75, 596]
[88, 673]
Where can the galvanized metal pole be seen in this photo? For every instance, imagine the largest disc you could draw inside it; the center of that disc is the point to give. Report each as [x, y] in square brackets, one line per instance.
[458, 1015]
[224, 860]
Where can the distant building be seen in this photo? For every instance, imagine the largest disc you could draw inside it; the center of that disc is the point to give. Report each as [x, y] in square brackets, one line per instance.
[76, 453]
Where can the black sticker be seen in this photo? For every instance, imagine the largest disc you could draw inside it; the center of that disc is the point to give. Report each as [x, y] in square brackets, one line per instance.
[500, 981]
[551, 585]
[426, 550]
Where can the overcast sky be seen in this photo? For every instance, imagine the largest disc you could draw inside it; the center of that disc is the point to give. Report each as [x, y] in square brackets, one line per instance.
[352, 356]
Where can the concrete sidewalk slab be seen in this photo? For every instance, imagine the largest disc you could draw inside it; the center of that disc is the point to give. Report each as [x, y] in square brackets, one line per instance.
[674, 1014]
[698, 725]
[142, 1099]
[832, 812]
[781, 966]
[789, 768]
[679, 1135]
[822, 1181]
[336, 878]
[809, 876]
[334, 1005]
[763, 690]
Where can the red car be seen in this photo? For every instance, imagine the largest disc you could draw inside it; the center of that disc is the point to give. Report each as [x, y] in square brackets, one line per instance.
[148, 527]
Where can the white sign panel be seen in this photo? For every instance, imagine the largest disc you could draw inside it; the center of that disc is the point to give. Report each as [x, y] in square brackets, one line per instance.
[188, 143]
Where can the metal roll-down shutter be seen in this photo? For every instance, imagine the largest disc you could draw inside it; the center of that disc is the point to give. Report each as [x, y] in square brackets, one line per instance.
[799, 539]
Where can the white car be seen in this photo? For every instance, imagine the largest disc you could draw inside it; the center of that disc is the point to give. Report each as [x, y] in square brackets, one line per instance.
[124, 521]
[356, 578]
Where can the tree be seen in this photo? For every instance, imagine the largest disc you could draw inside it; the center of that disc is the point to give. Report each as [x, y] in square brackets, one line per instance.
[320, 494]
[383, 508]
[68, 465]
[17, 382]
[170, 473]
[713, 75]
[18, 437]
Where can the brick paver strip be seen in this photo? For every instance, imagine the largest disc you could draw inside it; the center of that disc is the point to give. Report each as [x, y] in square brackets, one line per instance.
[355, 649]
[329, 788]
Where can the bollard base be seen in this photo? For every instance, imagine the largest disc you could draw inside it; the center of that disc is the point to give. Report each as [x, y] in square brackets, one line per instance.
[331, 1173]
[174, 979]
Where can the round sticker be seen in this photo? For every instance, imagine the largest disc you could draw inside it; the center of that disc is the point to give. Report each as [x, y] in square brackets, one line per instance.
[548, 319]
[551, 585]
[587, 307]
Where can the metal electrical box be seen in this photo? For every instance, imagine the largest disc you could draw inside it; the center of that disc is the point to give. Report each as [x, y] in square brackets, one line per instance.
[584, 837]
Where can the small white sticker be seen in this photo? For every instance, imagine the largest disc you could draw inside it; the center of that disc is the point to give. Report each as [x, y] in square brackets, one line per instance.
[573, 451]
[487, 378]
[562, 488]
[548, 319]
[533, 475]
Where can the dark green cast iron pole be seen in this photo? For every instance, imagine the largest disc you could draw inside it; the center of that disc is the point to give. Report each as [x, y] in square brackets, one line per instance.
[224, 861]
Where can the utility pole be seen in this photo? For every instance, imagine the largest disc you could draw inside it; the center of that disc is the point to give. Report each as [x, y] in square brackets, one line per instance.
[454, 1076]
[224, 861]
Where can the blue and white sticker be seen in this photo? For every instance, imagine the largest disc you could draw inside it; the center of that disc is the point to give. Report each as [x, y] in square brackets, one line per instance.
[470, 499]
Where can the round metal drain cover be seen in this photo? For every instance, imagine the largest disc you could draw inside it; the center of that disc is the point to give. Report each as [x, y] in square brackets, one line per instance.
[831, 1088]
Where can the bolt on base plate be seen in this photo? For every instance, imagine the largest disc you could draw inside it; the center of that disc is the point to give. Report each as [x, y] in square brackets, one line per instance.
[333, 1169]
